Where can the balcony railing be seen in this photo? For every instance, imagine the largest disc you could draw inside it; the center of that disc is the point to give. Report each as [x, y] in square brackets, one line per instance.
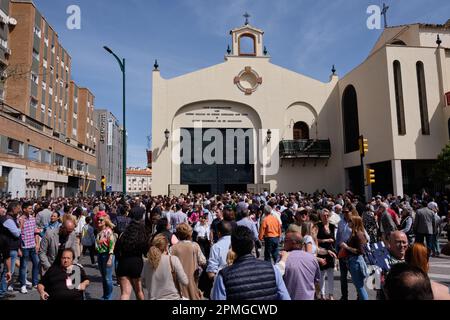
[293, 149]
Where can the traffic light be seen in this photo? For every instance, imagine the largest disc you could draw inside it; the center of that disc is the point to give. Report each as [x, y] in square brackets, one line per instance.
[363, 146]
[370, 176]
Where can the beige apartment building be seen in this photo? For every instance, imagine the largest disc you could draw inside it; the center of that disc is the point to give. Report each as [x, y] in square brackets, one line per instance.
[47, 129]
[301, 133]
[139, 181]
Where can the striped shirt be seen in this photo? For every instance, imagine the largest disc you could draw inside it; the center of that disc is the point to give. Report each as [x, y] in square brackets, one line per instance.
[28, 230]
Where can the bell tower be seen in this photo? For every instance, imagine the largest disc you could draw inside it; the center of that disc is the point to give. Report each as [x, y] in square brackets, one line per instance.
[247, 41]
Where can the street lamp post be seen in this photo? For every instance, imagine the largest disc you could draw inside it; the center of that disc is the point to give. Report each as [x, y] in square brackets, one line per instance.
[124, 133]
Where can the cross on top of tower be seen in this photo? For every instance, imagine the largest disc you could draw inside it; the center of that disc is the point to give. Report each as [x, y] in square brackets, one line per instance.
[246, 16]
[384, 14]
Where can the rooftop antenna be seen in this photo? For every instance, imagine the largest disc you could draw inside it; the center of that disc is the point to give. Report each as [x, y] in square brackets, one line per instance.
[149, 142]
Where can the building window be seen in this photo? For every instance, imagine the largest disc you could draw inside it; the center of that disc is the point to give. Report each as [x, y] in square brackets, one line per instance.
[34, 153]
[448, 128]
[80, 166]
[34, 78]
[350, 119]
[301, 131]
[37, 31]
[46, 157]
[69, 163]
[399, 98]
[15, 147]
[423, 98]
[35, 54]
[33, 103]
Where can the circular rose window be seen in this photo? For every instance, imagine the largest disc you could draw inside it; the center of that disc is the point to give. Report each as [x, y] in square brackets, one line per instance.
[248, 80]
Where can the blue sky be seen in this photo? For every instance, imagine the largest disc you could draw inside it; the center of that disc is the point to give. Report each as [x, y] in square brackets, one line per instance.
[186, 35]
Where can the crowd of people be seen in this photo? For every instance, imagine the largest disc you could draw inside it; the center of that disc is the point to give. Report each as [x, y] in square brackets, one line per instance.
[202, 246]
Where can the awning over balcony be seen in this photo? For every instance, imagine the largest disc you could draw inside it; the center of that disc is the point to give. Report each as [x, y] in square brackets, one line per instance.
[293, 149]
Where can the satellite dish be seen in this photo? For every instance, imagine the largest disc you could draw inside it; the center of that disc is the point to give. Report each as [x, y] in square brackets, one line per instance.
[12, 21]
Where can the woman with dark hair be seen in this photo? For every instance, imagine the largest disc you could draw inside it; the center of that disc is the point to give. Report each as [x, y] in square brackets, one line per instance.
[163, 227]
[406, 223]
[326, 240]
[355, 249]
[129, 249]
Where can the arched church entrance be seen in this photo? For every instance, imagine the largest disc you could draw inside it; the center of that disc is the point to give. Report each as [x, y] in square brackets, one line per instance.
[218, 146]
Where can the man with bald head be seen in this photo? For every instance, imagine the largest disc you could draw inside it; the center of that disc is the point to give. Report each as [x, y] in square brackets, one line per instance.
[54, 242]
[398, 243]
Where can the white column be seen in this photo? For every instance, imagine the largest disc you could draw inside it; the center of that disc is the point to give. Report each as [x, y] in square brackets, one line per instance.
[397, 177]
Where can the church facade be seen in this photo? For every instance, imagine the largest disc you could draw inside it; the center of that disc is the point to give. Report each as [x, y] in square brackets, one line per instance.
[247, 124]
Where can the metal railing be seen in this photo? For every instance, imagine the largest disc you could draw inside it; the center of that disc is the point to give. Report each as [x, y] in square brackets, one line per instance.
[292, 149]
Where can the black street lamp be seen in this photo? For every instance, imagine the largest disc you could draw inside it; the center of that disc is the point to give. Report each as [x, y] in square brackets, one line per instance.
[124, 133]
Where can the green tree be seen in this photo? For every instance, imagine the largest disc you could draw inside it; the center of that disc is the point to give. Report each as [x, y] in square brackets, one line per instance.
[441, 171]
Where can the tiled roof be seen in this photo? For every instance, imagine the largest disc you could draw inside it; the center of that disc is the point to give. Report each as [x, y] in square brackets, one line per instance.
[142, 172]
[426, 25]
[436, 26]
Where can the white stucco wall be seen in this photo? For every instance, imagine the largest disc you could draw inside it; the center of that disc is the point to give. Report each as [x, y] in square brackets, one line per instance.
[415, 145]
[283, 96]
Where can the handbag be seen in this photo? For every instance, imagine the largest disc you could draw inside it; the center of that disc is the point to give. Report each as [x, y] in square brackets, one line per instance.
[343, 254]
[175, 281]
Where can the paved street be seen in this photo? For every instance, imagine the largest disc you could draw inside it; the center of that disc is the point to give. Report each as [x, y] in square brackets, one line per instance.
[439, 271]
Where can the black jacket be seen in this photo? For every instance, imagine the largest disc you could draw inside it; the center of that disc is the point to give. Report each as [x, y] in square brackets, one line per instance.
[250, 279]
[13, 241]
